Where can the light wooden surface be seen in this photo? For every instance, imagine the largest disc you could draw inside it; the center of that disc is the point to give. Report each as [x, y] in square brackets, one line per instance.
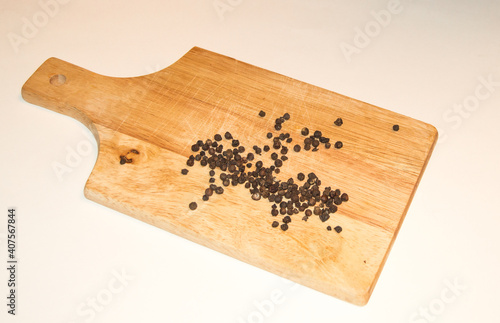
[162, 114]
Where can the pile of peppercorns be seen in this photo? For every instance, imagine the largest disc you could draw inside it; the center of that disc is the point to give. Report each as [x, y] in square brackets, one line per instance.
[289, 197]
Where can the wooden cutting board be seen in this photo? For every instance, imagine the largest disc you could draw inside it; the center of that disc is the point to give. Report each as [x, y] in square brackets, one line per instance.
[161, 115]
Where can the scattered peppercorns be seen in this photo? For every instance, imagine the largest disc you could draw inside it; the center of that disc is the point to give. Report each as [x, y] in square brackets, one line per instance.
[288, 198]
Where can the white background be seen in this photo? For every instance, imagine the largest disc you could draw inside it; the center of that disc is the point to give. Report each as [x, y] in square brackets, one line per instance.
[426, 61]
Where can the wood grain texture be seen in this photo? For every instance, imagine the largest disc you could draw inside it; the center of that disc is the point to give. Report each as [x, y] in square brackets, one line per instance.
[162, 114]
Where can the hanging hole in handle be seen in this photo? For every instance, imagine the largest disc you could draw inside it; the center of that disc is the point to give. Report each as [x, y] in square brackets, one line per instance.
[58, 80]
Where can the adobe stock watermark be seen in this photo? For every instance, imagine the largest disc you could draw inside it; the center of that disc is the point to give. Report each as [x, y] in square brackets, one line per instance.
[363, 37]
[438, 306]
[31, 26]
[97, 303]
[266, 307]
[73, 158]
[455, 115]
[223, 6]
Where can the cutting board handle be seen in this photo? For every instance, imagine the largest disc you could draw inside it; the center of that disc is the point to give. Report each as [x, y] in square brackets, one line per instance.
[57, 85]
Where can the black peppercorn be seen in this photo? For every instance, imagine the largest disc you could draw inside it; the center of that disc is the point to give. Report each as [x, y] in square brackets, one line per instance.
[269, 135]
[262, 113]
[344, 197]
[184, 171]
[395, 127]
[317, 134]
[278, 163]
[277, 127]
[256, 196]
[296, 148]
[338, 229]
[193, 205]
[275, 224]
[329, 228]
[235, 143]
[338, 122]
[190, 162]
[286, 116]
[328, 145]
[338, 144]
[301, 176]
[304, 131]
[284, 227]
[324, 216]
[228, 135]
